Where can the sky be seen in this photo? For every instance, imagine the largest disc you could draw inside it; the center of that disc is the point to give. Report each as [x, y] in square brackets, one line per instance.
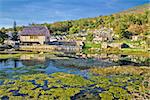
[25, 12]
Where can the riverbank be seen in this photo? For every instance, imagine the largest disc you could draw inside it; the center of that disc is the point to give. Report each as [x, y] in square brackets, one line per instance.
[17, 54]
[128, 51]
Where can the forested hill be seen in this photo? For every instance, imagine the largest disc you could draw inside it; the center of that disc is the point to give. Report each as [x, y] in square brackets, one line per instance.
[136, 23]
[138, 9]
[133, 20]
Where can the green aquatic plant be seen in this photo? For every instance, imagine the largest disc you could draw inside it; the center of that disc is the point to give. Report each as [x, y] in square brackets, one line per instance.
[129, 81]
[63, 93]
[3, 74]
[122, 86]
[106, 96]
[119, 93]
[71, 80]
[100, 79]
[32, 86]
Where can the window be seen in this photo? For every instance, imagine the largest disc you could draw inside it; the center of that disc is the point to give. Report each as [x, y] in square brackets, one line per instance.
[33, 37]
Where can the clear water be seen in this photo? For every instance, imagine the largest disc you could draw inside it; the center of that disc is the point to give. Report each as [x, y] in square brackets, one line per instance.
[32, 64]
[14, 67]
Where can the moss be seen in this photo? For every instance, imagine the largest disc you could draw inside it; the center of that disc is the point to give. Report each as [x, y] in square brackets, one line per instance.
[71, 80]
[106, 96]
[63, 94]
[119, 92]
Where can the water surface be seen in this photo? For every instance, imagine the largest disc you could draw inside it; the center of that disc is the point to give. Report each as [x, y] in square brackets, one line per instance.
[48, 64]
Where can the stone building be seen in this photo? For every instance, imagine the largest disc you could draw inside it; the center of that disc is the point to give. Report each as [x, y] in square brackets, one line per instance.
[136, 37]
[105, 45]
[103, 35]
[34, 35]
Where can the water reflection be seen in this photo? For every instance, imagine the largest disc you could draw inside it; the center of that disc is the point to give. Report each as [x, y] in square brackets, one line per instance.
[102, 60]
[32, 60]
[34, 63]
[10, 63]
[122, 59]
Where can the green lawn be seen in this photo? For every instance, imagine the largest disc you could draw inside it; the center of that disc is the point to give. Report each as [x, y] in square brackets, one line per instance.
[6, 56]
[92, 45]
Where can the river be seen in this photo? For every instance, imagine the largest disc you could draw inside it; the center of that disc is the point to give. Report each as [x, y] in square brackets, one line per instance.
[48, 64]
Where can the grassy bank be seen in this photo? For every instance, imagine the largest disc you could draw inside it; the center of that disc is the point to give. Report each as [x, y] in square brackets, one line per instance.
[18, 54]
[128, 51]
[121, 70]
[7, 56]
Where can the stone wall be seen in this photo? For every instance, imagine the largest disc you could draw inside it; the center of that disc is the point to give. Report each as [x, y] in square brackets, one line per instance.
[51, 48]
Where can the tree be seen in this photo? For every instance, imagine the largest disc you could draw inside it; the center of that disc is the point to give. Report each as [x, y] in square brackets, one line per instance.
[126, 34]
[3, 30]
[136, 29]
[89, 37]
[120, 29]
[15, 33]
[74, 30]
[3, 36]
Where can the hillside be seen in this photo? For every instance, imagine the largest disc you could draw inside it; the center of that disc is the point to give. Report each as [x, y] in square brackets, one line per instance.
[138, 9]
[136, 17]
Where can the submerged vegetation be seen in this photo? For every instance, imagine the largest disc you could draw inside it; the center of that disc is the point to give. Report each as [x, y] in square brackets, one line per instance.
[101, 83]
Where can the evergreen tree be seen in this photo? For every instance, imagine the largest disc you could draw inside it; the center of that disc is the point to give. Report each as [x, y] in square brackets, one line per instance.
[15, 33]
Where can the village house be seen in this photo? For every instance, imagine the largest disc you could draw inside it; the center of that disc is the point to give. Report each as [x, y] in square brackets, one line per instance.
[103, 35]
[136, 37]
[105, 45]
[35, 35]
[10, 42]
[10, 36]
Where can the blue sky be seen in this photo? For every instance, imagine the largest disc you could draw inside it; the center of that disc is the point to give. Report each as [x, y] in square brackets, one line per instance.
[41, 11]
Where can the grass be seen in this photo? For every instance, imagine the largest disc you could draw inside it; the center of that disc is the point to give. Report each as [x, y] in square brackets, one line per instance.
[139, 52]
[6, 56]
[127, 51]
[17, 55]
[92, 48]
[124, 51]
[92, 45]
